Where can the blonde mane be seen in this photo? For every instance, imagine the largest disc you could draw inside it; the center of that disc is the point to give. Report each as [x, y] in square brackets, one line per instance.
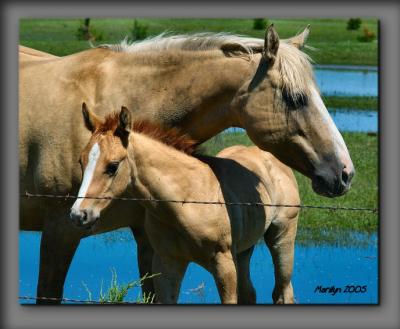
[191, 42]
[295, 71]
[294, 66]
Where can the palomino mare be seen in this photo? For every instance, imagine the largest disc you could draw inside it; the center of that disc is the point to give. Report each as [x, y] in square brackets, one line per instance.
[201, 84]
[220, 238]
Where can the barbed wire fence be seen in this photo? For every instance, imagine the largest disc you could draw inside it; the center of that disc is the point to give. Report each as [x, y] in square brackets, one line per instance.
[182, 202]
[247, 204]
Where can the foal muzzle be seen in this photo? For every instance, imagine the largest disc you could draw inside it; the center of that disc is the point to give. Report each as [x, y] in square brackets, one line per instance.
[84, 218]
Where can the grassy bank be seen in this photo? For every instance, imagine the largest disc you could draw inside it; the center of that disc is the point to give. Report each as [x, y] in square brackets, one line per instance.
[369, 103]
[324, 225]
[334, 44]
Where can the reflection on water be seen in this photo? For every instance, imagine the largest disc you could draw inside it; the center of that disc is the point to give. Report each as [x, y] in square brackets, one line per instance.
[315, 268]
[347, 82]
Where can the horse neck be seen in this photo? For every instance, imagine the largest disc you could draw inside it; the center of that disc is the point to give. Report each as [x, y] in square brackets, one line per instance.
[195, 93]
[222, 81]
[155, 165]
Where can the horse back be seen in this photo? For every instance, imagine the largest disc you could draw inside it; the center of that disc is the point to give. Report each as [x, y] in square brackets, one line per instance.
[26, 54]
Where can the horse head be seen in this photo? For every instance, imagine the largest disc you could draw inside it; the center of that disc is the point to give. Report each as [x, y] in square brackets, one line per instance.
[282, 112]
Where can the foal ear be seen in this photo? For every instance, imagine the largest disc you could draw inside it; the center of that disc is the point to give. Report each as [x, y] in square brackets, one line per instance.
[124, 125]
[90, 119]
[299, 40]
[125, 120]
[271, 44]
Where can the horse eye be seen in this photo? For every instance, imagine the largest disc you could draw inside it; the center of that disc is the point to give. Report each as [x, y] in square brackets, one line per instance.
[295, 101]
[112, 168]
[301, 100]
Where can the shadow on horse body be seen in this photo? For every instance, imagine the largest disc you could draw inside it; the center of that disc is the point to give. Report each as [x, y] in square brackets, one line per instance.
[216, 236]
[200, 84]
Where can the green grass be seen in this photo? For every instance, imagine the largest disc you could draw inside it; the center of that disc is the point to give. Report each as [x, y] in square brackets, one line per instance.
[117, 292]
[326, 226]
[333, 42]
[369, 103]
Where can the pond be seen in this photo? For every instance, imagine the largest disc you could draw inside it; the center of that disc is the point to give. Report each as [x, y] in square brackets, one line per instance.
[357, 121]
[347, 120]
[316, 268]
[347, 80]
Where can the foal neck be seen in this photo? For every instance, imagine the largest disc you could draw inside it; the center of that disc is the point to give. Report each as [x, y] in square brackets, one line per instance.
[161, 172]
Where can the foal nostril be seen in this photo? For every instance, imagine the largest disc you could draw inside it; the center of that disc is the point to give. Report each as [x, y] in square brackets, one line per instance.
[84, 215]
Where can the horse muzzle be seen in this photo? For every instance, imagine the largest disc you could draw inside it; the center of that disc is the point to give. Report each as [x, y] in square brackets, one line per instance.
[335, 183]
[84, 218]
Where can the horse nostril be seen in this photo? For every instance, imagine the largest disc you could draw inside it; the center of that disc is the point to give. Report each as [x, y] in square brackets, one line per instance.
[345, 177]
[84, 215]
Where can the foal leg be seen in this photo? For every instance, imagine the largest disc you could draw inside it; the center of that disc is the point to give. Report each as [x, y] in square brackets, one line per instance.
[280, 238]
[168, 283]
[57, 248]
[246, 291]
[224, 271]
[145, 257]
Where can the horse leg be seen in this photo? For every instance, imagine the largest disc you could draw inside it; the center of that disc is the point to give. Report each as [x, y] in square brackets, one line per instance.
[246, 291]
[167, 284]
[145, 257]
[280, 238]
[57, 248]
[223, 269]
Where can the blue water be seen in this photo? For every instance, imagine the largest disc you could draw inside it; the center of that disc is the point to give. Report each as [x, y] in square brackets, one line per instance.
[323, 266]
[347, 120]
[347, 82]
[357, 121]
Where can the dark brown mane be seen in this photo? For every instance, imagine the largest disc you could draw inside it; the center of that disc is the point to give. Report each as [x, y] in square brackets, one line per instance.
[169, 136]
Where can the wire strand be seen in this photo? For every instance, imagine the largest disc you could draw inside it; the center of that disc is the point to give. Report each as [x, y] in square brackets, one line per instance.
[248, 204]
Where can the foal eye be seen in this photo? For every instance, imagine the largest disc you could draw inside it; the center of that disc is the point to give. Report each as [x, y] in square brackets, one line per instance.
[112, 168]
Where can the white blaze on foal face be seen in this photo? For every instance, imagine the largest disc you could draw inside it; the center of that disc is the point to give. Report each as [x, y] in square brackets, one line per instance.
[94, 155]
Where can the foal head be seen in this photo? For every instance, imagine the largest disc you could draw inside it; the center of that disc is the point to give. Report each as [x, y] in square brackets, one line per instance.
[106, 172]
[282, 112]
[105, 159]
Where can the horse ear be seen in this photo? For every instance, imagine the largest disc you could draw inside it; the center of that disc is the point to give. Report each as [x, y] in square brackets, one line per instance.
[90, 119]
[299, 40]
[271, 44]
